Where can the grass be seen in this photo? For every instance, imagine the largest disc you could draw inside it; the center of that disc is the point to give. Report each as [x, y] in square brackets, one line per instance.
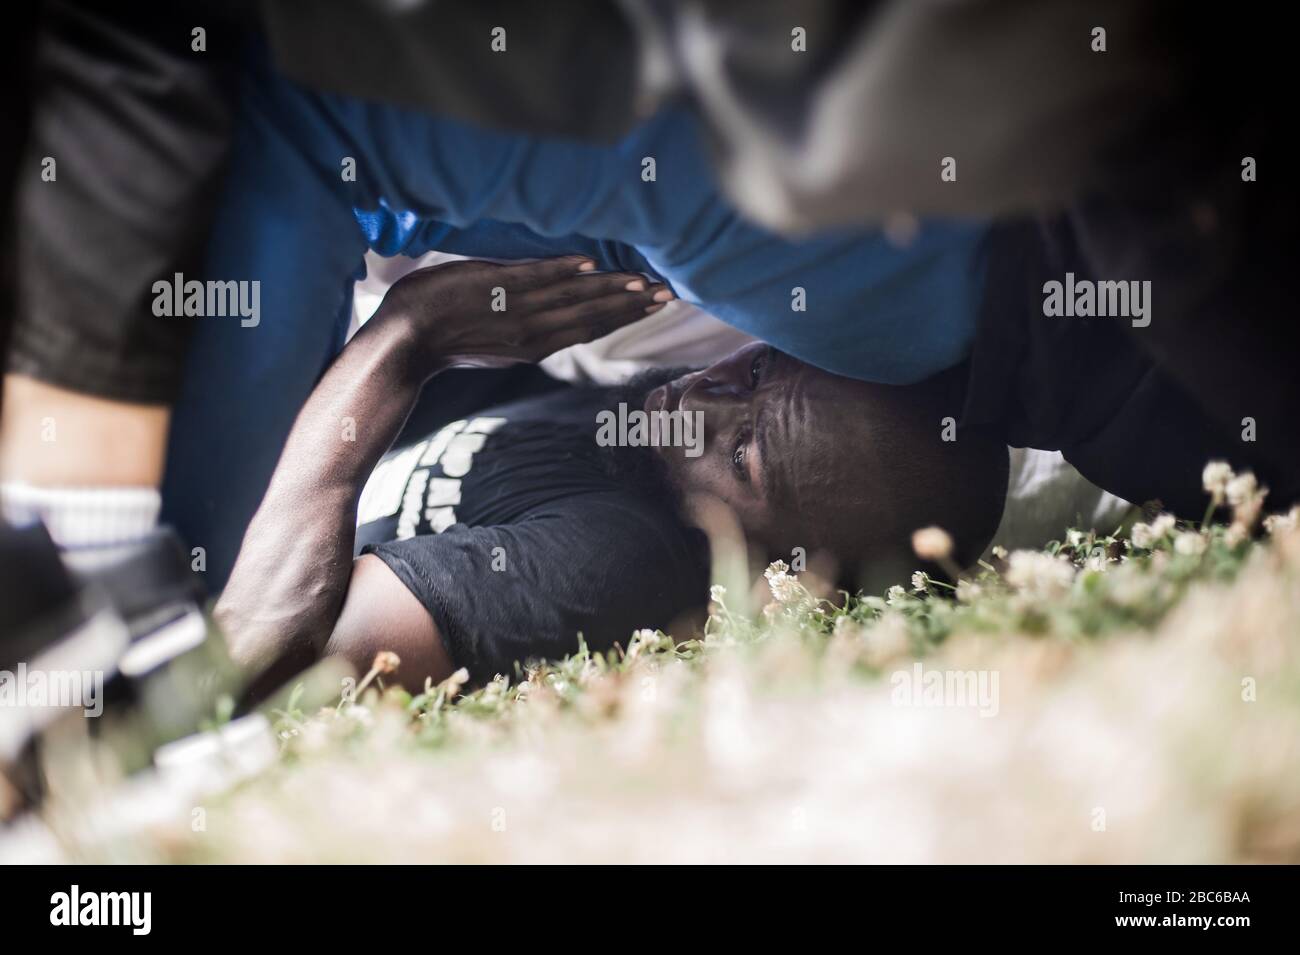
[1096, 701]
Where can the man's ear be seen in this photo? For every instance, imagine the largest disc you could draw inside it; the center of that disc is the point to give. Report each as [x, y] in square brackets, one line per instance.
[380, 614]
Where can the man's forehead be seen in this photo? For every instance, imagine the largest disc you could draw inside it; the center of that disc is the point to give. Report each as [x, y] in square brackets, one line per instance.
[790, 444]
[818, 434]
[816, 404]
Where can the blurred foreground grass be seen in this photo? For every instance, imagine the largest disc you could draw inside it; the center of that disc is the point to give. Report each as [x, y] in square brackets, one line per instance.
[1106, 699]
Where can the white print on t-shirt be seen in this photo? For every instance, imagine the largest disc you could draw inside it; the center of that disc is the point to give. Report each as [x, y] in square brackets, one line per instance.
[411, 504]
[443, 492]
[440, 442]
[382, 495]
[459, 456]
[395, 483]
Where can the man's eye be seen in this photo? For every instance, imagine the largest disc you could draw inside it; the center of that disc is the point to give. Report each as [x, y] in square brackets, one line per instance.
[739, 456]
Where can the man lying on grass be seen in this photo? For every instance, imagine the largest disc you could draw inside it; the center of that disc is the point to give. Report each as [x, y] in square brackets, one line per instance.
[508, 535]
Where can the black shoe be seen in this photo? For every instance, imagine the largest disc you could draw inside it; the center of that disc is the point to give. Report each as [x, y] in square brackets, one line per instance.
[127, 645]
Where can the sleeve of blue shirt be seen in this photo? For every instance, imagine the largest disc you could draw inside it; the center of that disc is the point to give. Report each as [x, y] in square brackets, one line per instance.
[872, 308]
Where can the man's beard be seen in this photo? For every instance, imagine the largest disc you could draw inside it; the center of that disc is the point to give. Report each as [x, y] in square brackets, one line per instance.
[642, 469]
[634, 390]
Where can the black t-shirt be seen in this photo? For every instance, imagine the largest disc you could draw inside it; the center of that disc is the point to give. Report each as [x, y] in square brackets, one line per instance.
[514, 536]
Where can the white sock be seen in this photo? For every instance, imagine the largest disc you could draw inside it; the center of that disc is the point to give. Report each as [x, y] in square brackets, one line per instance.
[83, 517]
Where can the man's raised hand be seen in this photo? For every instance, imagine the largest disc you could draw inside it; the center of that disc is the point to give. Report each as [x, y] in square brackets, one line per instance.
[484, 315]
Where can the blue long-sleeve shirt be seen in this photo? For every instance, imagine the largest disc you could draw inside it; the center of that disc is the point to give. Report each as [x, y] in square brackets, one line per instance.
[872, 310]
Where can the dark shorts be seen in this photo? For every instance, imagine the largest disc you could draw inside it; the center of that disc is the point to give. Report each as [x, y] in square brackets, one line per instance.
[116, 187]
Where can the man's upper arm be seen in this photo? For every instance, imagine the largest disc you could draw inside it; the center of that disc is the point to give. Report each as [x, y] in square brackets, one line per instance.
[379, 613]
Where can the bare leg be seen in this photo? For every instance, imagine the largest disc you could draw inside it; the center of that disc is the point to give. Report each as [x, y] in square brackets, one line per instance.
[54, 437]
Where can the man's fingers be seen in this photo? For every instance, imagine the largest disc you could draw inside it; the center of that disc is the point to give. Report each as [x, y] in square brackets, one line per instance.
[581, 334]
[522, 276]
[574, 335]
[594, 319]
[581, 288]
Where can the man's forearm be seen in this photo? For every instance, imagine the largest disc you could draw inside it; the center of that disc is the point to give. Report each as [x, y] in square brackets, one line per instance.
[353, 414]
[293, 568]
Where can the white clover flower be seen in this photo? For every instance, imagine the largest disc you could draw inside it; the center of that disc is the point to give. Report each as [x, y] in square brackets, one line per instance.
[968, 591]
[642, 641]
[1162, 525]
[775, 568]
[1241, 489]
[785, 588]
[895, 593]
[1189, 544]
[999, 552]
[920, 582]
[455, 682]
[1148, 536]
[1277, 524]
[717, 592]
[1215, 479]
[1097, 562]
[932, 544]
[1038, 574]
[1247, 500]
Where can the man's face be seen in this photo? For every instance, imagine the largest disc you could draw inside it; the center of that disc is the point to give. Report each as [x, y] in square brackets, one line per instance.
[779, 437]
